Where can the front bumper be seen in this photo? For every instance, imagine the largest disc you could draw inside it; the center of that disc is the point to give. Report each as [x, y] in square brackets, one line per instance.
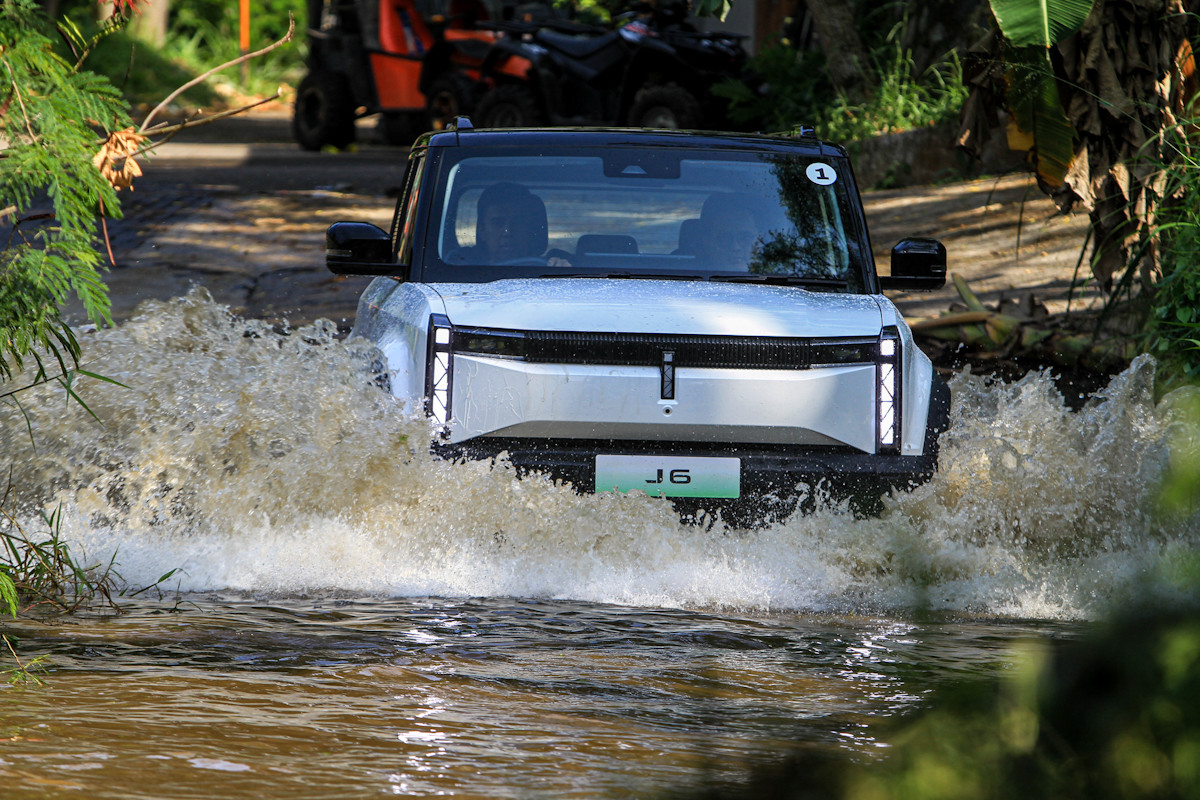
[779, 471]
[765, 469]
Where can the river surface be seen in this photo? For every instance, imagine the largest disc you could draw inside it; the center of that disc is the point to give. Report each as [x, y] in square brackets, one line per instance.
[346, 616]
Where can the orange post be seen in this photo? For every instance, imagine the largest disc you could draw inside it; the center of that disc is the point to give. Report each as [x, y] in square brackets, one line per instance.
[244, 19]
[244, 36]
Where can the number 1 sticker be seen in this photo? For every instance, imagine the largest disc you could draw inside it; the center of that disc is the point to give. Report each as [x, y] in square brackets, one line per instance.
[820, 174]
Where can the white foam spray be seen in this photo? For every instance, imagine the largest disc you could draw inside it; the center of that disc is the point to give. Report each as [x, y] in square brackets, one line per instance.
[266, 462]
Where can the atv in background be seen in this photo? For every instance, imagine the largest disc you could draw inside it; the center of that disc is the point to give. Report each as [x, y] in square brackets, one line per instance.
[654, 71]
[414, 62]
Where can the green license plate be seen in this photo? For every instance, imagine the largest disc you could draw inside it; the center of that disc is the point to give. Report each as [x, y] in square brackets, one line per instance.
[670, 476]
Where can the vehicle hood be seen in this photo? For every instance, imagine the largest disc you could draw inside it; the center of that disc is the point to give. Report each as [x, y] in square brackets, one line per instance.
[634, 305]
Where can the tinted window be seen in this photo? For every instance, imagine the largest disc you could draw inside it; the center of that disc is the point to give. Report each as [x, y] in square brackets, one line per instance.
[511, 212]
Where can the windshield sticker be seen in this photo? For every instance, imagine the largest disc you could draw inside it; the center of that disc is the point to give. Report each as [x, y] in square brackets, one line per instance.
[821, 174]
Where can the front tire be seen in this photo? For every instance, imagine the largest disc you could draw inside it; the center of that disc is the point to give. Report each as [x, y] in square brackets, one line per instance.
[668, 106]
[508, 106]
[324, 112]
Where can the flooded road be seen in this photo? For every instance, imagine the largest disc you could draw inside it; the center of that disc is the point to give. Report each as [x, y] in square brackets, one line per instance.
[316, 698]
[349, 616]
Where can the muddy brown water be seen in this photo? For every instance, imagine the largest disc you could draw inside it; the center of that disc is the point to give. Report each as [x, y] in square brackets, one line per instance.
[349, 616]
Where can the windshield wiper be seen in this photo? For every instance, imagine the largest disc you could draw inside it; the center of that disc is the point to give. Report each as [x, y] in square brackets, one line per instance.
[658, 276]
[785, 280]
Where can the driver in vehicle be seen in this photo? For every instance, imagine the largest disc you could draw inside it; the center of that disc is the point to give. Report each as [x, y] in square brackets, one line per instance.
[510, 226]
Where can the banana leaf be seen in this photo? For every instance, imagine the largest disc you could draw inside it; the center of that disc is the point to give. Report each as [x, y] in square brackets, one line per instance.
[1039, 22]
[1037, 113]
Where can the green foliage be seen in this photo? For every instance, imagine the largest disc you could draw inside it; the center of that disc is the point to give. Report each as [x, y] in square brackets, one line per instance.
[798, 92]
[205, 33]
[901, 101]
[1029, 31]
[1173, 335]
[42, 571]
[22, 673]
[8, 592]
[49, 126]
[144, 74]
[796, 84]
[1181, 489]
[590, 12]
[1037, 110]
[268, 18]
[711, 8]
[1039, 24]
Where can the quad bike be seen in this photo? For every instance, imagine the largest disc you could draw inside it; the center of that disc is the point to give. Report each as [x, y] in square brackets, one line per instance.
[652, 73]
[416, 63]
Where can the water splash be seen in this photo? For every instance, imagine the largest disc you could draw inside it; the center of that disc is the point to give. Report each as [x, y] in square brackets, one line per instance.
[264, 461]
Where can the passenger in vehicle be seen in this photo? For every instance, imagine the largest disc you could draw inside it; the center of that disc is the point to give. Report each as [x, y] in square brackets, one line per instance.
[728, 232]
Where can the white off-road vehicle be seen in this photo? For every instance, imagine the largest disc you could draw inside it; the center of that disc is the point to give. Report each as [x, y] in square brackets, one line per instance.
[682, 314]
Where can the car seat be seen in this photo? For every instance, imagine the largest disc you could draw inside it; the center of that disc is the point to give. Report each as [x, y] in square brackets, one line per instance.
[691, 238]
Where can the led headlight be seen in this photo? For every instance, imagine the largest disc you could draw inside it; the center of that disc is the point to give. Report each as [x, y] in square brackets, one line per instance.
[887, 392]
[439, 369]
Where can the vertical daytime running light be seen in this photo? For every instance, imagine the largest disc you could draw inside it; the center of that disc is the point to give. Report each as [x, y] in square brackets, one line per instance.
[439, 368]
[888, 392]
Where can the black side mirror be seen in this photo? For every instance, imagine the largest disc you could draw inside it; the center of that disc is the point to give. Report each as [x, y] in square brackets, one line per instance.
[359, 248]
[918, 264]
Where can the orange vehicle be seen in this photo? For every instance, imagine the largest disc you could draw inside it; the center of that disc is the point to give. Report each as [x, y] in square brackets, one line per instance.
[416, 63]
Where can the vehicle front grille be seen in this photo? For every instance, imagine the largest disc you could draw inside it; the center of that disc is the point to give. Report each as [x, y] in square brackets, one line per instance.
[639, 349]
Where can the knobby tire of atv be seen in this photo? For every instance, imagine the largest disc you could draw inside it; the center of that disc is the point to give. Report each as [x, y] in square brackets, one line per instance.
[666, 105]
[508, 106]
[324, 112]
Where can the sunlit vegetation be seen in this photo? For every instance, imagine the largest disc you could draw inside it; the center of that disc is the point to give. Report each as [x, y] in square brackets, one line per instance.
[899, 93]
[902, 101]
[202, 34]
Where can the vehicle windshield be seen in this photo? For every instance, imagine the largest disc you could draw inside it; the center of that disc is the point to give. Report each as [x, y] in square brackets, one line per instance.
[639, 212]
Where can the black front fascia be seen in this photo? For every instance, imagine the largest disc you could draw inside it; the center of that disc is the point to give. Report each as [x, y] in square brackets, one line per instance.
[765, 468]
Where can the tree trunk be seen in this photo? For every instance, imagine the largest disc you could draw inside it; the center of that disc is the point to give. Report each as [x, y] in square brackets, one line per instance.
[151, 25]
[844, 51]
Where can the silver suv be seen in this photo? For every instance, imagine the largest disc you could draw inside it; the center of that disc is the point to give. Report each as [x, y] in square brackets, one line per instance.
[691, 315]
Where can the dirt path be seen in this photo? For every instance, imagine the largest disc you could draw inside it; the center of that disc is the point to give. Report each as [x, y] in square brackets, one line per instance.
[1001, 234]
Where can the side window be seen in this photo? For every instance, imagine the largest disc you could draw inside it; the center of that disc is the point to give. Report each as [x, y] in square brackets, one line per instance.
[405, 222]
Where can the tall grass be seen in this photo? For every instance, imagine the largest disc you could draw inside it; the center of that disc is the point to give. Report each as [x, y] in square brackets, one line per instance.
[902, 101]
[798, 92]
[38, 572]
